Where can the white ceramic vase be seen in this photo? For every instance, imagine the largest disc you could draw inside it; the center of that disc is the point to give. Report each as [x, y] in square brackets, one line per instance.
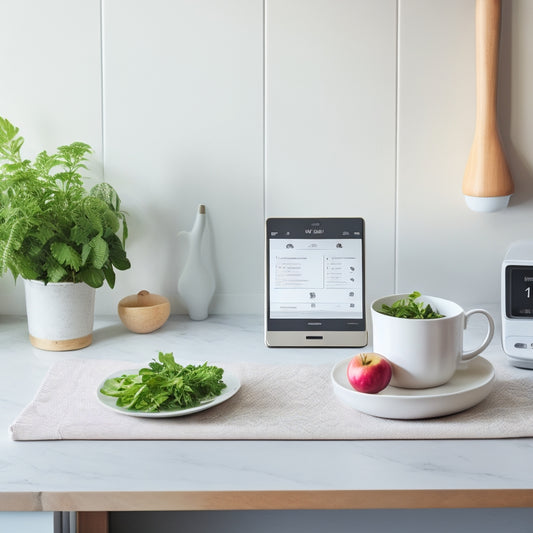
[196, 284]
[60, 315]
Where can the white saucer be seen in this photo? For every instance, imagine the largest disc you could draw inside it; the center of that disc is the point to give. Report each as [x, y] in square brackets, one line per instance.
[469, 385]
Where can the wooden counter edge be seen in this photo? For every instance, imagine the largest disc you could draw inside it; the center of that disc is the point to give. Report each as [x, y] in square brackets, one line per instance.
[266, 500]
[98, 522]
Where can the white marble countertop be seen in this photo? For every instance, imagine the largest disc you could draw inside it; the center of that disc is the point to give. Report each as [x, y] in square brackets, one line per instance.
[108, 475]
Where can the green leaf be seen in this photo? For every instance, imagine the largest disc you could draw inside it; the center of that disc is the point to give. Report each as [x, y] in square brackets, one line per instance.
[86, 250]
[112, 222]
[117, 254]
[80, 234]
[94, 277]
[167, 360]
[10, 243]
[109, 274]
[44, 163]
[10, 142]
[22, 265]
[409, 308]
[100, 252]
[104, 191]
[43, 233]
[74, 155]
[54, 272]
[66, 255]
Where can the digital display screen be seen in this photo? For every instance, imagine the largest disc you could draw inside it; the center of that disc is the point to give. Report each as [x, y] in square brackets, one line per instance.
[315, 274]
[519, 291]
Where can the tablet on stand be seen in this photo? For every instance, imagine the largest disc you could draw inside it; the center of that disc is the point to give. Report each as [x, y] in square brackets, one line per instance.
[315, 282]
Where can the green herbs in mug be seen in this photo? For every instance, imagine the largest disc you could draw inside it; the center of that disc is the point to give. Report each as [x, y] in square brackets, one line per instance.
[409, 308]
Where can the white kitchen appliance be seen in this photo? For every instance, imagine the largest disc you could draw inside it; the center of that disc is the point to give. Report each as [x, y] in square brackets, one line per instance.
[517, 303]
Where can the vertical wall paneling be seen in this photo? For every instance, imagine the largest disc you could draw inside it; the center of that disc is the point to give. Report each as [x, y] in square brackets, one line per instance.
[331, 118]
[50, 85]
[368, 111]
[182, 126]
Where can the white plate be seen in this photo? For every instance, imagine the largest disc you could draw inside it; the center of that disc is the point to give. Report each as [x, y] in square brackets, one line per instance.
[232, 382]
[469, 385]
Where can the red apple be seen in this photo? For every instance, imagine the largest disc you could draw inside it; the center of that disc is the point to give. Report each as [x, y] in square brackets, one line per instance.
[369, 372]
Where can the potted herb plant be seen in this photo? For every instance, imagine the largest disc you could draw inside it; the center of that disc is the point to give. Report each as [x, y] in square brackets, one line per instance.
[62, 239]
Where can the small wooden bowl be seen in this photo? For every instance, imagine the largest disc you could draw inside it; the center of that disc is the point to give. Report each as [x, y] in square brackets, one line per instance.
[143, 312]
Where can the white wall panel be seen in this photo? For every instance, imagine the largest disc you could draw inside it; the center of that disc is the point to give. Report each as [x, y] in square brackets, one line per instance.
[331, 118]
[50, 85]
[183, 126]
[443, 248]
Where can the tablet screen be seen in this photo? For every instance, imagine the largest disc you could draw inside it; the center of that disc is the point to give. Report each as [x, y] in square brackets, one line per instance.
[315, 274]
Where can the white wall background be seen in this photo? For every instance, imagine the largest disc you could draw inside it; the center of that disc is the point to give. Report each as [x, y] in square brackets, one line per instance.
[300, 107]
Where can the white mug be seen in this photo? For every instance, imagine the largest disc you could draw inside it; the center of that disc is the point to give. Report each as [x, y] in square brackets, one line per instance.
[424, 352]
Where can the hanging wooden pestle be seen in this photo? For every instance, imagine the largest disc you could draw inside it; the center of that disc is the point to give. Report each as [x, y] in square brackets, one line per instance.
[487, 182]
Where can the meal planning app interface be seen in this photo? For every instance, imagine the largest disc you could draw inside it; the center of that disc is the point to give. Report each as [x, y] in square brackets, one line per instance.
[316, 277]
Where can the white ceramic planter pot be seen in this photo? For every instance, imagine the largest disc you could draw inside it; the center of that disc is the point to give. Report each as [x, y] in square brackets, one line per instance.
[60, 315]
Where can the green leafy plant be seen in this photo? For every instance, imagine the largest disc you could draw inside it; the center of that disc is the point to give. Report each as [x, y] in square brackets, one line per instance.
[409, 308]
[165, 385]
[51, 228]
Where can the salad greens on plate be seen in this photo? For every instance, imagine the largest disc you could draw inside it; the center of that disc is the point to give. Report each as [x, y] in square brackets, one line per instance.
[165, 385]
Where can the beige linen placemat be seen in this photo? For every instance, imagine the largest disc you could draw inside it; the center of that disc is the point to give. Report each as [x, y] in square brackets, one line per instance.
[274, 402]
